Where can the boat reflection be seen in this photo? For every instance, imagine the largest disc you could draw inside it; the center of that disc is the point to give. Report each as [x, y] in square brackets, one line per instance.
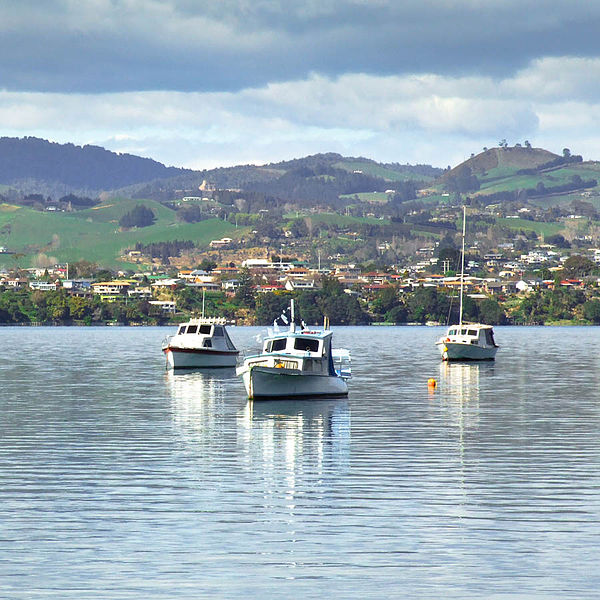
[197, 397]
[304, 432]
[459, 394]
[460, 381]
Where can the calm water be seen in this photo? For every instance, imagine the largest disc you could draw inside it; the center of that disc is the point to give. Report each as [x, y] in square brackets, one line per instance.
[120, 480]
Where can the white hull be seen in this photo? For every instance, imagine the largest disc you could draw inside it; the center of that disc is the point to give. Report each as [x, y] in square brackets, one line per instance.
[466, 351]
[270, 382]
[178, 358]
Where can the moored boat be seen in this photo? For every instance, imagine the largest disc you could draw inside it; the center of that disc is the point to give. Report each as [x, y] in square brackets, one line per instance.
[467, 341]
[296, 363]
[200, 343]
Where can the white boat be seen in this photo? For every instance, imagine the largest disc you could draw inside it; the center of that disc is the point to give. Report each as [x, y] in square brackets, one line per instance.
[467, 341]
[296, 364]
[200, 343]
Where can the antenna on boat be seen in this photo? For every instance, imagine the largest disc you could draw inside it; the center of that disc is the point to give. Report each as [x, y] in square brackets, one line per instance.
[203, 296]
[292, 316]
[462, 268]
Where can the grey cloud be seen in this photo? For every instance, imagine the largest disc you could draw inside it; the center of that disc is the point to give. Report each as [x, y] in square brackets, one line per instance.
[99, 46]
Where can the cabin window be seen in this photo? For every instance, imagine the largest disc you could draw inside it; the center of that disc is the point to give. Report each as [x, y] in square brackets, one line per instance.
[276, 345]
[489, 337]
[205, 329]
[472, 332]
[218, 331]
[181, 330]
[452, 332]
[192, 328]
[463, 332]
[306, 344]
[207, 343]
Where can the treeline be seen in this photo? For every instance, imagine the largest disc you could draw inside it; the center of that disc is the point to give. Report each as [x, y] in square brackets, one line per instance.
[165, 250]
[389, 305]
[551, 164]
[322, 184]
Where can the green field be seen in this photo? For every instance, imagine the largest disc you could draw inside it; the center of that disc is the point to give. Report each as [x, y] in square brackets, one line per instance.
[539, 228]
[374, 197]
[94, 234]
[505, 179]
[334, 219]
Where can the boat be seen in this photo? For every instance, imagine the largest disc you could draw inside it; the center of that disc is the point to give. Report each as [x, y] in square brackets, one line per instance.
[467, 341]
[297, 363]
[200, 343]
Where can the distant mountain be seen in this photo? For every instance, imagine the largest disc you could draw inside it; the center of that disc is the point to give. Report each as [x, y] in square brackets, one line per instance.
[29, 163]
[311, 177]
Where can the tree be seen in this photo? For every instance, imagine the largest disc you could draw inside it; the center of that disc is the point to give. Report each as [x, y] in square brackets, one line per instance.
[245, 292]
[566, 153]
[207, 265]
[578, 266]
[527, 144]
[491, 313]
[591, 311]
[140, 216]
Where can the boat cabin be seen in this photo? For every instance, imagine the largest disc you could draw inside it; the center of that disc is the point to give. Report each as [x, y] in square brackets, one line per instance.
[203, 333]
[295, 344]
[309, 352]
[469, 334]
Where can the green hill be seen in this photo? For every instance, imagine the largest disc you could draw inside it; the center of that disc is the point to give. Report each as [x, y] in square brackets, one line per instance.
[94, 234]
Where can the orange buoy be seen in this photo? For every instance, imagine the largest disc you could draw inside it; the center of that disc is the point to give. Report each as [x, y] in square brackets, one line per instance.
[431, 383]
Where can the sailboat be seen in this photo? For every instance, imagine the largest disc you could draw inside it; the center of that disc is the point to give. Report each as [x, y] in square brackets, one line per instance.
[467, 341]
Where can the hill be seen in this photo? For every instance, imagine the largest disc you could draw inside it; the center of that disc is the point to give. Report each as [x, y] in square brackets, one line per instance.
[508, 160]
[94, 234]
[34, 165]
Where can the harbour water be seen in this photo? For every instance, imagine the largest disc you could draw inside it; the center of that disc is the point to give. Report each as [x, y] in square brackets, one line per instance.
[119, 480]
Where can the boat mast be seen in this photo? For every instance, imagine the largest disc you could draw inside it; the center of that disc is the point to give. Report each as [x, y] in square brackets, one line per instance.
[462, 268]
[292, 315]
[203, 295]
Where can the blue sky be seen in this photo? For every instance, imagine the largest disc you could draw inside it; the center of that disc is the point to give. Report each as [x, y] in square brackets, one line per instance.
[201, 83]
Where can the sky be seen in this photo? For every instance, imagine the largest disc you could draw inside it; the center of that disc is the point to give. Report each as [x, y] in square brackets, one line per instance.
[209, 83]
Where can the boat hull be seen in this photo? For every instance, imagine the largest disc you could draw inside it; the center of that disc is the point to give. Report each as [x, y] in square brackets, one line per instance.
[188, 358]
[270, 383]
[460, 351]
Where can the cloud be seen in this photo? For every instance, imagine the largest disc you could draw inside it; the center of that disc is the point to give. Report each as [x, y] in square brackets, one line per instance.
[412, 118]
[95, 46]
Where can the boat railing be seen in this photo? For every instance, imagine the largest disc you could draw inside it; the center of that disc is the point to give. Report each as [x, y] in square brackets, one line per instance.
[342, 362]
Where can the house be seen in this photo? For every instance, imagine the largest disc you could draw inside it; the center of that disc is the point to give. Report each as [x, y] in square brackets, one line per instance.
[111, 288]
[166, 306]
[45, 286]
[222, 243]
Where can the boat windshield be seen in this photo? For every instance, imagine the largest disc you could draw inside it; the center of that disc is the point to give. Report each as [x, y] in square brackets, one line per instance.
[192, 328]
[489, 337]
[452, 332]
[306, 344]
[472, 332]
[181, 330]
[218, 331]
[276, 345]
[205, 329]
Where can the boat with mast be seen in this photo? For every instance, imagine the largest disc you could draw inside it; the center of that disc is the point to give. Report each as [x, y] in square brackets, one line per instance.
[467, 341]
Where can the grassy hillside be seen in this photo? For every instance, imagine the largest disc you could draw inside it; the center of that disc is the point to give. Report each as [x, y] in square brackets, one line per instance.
[95, 235]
